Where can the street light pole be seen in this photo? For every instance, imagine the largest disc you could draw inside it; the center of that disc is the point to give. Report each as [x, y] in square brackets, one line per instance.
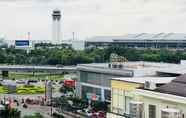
[51, 99]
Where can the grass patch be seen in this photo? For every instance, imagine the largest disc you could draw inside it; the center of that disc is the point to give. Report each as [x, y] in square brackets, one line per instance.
[30, 89]
[3, 89]
[38, 76]
[25, 89]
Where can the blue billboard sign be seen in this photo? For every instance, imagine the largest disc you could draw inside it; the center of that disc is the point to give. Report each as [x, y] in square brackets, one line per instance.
[22, 42]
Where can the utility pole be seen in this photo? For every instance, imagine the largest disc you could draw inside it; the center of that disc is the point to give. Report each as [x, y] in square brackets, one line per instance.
[51, 101]
[73, 36]
[30, 43]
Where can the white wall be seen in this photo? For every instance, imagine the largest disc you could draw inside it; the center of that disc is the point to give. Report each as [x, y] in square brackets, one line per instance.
[78, 44]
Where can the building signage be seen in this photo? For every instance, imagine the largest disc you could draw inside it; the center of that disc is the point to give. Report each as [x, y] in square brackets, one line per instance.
[92, 96]
[22, 42]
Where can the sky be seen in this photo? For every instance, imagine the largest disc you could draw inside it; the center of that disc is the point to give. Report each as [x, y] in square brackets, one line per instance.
[89, 18]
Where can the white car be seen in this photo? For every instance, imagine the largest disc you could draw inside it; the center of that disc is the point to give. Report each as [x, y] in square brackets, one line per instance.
[20, 82]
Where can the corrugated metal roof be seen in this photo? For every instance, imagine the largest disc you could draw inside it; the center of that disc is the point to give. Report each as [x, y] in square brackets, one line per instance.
[137, 69]
[141, 36]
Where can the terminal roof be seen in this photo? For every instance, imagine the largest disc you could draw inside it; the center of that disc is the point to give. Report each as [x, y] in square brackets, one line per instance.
[141, 36]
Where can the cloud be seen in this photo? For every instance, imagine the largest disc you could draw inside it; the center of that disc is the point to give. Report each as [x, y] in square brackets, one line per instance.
[91, 17]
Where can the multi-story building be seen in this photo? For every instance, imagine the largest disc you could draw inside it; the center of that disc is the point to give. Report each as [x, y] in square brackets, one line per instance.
[95, 79]
[167, 101]
[76, 44]
[143, 40]
[156, 98]
[123, 92]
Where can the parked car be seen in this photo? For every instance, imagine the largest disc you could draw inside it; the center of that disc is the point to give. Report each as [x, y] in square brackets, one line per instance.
[32, 81]
[61, 82]
[20, 82]
[101, 114]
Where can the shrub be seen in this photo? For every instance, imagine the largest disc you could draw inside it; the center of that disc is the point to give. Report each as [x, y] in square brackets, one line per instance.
[56, 115]
[30, 89]
[36, 115]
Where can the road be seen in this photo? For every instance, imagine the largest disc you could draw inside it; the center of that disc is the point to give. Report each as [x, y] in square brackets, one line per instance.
[37, 68]
[44, 110]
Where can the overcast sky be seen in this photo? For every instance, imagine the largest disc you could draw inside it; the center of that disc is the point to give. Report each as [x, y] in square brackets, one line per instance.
[91, 17]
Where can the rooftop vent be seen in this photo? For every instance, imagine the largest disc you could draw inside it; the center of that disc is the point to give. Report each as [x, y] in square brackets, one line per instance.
[115, 65]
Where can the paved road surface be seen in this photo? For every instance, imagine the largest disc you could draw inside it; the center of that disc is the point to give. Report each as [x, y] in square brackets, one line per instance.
[44, 110]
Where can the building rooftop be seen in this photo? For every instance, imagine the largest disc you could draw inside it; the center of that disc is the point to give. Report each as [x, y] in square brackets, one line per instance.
[142, 80]
[138, 68]
[178, 69]
[175, 87]
[141, 36]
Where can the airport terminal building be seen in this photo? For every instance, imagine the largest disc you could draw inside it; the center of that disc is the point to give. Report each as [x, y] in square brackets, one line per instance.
[143, 40]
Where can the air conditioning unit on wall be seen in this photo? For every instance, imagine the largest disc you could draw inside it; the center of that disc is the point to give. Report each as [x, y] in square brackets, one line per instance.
[150, 85]
[171, 113]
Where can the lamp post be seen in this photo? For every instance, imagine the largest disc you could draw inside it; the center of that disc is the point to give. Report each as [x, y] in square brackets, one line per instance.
[48, 94]
[51, 101]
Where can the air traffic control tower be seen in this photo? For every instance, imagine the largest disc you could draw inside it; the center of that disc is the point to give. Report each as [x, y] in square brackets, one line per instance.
[56, 28]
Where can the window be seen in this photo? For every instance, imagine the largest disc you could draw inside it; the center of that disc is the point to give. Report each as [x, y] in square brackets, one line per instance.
[95, 78]
[127, 103]
[115, 97]
[152, 111]
[107, 94]
[117, 100]
[120, 102]
[86, 91]
[120, 99]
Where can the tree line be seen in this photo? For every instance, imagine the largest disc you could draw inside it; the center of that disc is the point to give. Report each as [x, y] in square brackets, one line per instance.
[69, 56]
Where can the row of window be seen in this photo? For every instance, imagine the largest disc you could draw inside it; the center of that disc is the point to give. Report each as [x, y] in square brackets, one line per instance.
[96, 78]
[121, 104]
[97, 91]
[140, 45]
[151, 112]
